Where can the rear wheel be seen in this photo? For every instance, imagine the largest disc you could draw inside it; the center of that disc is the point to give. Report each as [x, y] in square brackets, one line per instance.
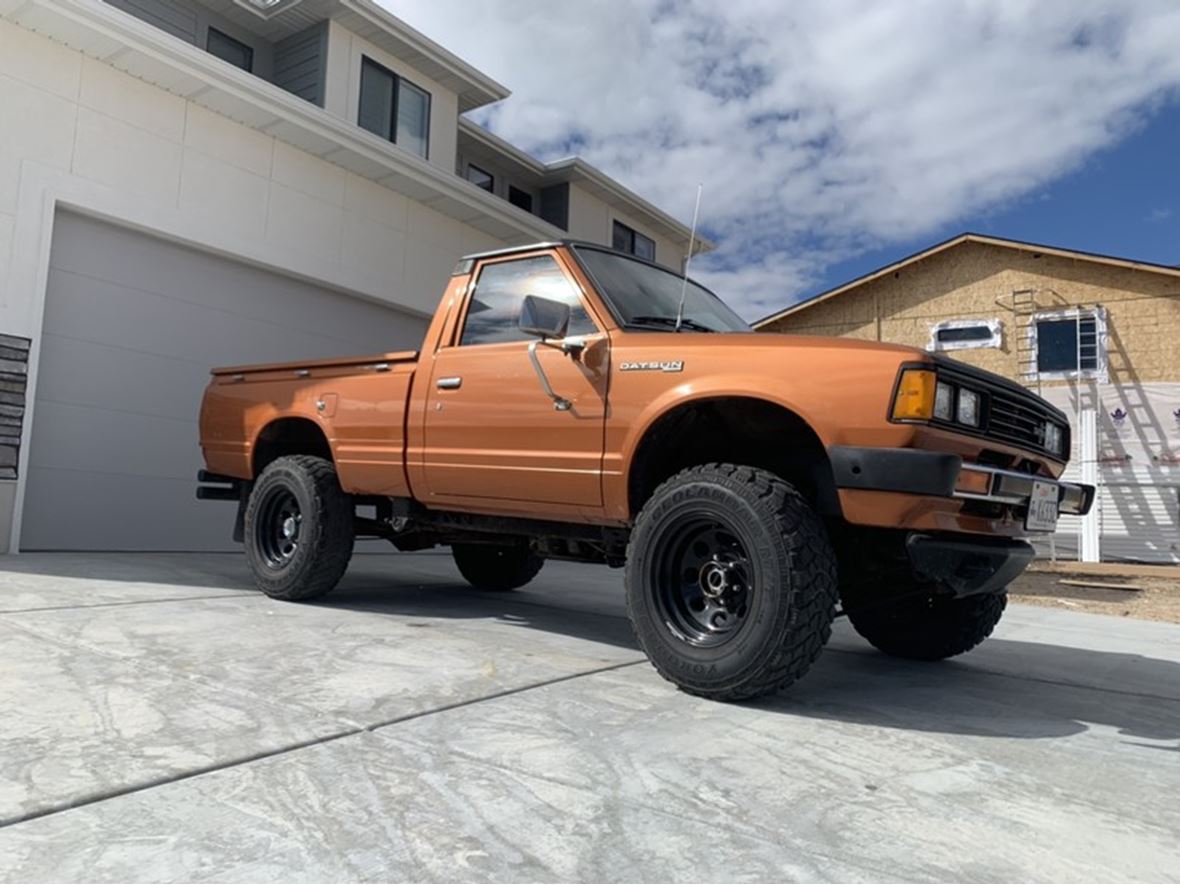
[731, 582]
[929, 627]
[299, 528]
[496, 567]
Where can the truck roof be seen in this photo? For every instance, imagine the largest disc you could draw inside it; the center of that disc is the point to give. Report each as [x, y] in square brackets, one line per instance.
[464, 264]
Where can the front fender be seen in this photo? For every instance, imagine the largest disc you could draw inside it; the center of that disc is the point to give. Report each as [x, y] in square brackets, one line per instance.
[744, 386]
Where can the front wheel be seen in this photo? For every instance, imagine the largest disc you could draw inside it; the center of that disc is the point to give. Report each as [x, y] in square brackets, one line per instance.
[731, 582]
[299, 528]
[929, 627]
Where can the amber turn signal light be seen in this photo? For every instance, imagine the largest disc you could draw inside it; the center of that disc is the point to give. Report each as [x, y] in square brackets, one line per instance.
[915, 395]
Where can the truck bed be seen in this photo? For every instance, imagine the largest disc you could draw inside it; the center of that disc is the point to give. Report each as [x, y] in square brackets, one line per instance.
[355, 404]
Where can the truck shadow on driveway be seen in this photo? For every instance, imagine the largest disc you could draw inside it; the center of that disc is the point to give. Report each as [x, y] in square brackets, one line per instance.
[1007, 688]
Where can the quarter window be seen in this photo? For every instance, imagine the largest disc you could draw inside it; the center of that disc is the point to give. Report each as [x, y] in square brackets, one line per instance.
[394, 108]
[627, 239]
[228, 49]
[493, 315]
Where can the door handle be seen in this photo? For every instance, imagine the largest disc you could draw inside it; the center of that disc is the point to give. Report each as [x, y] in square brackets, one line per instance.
[453, 383]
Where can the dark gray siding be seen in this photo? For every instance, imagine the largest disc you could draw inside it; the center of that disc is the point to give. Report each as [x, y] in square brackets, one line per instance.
[174, 16]
[14, 370]
[190, 21]
[300, 63]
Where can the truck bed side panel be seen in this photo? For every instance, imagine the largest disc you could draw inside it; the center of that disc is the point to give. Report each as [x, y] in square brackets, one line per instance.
[359, 405]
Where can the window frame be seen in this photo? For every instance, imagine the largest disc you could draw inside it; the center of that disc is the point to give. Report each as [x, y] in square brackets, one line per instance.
[995, 328]
[633, 236]
[491, 188]
[1100, 371]
[398, 80]
[210, 31]
[456, 333]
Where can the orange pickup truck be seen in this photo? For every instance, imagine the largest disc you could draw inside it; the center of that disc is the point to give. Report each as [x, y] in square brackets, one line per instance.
[571, 402]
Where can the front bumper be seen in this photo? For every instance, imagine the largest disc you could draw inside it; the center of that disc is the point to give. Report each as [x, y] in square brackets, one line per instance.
[944, 475]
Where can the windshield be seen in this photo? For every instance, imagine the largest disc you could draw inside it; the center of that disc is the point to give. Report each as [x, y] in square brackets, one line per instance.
[645, 296]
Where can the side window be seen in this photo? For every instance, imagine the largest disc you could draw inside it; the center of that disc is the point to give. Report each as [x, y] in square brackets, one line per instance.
[494, 312]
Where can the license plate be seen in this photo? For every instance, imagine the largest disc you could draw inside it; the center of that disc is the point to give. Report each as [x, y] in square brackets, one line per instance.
[1042, 508]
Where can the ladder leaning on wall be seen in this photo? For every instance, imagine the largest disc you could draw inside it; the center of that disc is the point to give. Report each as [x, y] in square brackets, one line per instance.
[1025, 307]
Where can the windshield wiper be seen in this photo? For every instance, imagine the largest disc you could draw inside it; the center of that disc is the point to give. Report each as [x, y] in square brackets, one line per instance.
[685, 323]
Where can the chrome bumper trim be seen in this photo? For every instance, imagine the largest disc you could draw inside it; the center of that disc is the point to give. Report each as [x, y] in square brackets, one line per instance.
[1010, 487]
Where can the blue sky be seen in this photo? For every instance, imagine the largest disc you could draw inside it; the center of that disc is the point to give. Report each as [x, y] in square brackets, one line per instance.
[833, 136]
[1123, 201]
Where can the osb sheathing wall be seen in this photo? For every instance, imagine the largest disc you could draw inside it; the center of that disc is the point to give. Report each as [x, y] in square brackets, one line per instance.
[977, 281]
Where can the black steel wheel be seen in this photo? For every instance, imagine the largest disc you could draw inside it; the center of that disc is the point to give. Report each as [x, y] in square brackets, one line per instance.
[299, 528]
[703, 580]
[731, 582]
[277, 526]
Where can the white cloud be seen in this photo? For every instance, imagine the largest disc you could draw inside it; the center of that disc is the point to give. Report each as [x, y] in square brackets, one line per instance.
[819, 128]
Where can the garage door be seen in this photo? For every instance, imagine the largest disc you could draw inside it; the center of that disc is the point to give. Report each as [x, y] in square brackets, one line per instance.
[132, 326]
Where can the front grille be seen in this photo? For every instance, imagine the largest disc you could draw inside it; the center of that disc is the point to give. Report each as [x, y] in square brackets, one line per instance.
[1011, 414]
[1013, 422]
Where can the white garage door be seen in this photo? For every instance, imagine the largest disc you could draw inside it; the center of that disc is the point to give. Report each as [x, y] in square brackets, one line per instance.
[132, 326]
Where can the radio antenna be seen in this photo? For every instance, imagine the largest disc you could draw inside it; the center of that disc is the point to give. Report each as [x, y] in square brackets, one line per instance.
[688, 259]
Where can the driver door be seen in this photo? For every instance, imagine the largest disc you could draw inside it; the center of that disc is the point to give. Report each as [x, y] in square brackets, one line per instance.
[493, 439]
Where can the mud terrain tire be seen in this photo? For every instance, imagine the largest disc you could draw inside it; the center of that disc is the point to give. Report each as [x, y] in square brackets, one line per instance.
[932, 627]
[496, 567]
[299, 528]
[730, 581]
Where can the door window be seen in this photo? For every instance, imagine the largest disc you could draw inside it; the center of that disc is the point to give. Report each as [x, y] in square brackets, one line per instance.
[494, 312]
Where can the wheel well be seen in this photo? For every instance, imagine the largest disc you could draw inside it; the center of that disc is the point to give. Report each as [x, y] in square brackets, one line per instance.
[289, 436]
[736, 430]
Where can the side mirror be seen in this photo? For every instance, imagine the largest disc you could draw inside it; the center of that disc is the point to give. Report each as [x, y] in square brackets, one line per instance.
[543, 317]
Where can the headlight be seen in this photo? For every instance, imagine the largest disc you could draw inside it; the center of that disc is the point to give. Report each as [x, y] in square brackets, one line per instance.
[1055, 438]
[921, 396]
[944, 401]
[968, 407]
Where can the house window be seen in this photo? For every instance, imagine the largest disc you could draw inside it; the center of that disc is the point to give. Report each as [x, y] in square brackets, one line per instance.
[228, 49]
[1070, 343]
[520, 199]
[480, 178]
[629, 240]
[394, 108]
[965, 334]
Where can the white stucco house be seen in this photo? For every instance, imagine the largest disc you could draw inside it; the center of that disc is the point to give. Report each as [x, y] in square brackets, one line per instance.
[188, 183]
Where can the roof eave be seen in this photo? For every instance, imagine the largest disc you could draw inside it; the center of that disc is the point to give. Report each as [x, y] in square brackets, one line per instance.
[478, 88]
[577, 169]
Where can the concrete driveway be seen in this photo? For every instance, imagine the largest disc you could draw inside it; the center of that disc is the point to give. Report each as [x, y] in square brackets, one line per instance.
[161, 721]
